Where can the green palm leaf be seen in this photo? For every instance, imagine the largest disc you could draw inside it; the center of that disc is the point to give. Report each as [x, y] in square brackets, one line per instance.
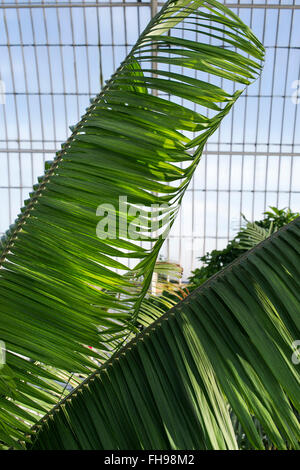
[64, 289]
[232, 337]
[252, 234]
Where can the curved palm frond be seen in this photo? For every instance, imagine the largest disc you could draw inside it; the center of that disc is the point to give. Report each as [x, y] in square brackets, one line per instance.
[62, 288]
[252, 234]
[232, 337]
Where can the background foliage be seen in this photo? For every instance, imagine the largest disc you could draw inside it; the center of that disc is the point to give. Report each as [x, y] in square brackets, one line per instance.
[216, 260]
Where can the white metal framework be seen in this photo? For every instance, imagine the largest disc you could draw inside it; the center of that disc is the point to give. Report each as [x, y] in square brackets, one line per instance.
[57, 54]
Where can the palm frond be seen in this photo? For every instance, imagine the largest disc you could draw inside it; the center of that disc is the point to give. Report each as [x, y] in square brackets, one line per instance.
[62, 288]
[229, 342]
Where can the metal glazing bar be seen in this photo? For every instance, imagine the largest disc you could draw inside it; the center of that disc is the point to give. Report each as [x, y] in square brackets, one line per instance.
[284, 105]
[271, 106]
[270, 6]
[205, 152]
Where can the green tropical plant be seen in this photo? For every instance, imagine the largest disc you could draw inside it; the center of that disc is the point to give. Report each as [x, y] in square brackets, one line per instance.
[255, 232]
[63, 290]
[246, 238]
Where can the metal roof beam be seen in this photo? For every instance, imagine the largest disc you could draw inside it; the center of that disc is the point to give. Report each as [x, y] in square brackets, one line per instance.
[265, 6]
[205, 152]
